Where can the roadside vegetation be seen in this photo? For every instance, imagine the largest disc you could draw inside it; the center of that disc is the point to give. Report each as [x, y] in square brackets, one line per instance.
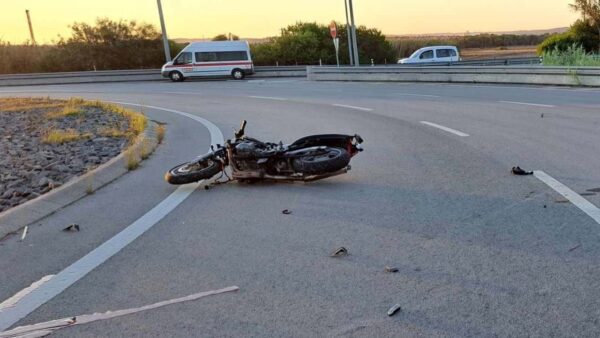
[580, 45]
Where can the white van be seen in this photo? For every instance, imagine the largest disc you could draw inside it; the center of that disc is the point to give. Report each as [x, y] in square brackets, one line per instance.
[214, 58]
[433, 54]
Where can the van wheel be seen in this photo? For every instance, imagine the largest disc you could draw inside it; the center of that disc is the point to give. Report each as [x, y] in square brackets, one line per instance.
[238, 74]
[176, 76]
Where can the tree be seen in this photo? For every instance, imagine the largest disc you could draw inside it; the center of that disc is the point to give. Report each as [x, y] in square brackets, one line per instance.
[224, 37]
[590, 11]
[307, 43]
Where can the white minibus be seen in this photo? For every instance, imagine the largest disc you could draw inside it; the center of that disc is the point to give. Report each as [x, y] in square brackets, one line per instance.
[214, 58]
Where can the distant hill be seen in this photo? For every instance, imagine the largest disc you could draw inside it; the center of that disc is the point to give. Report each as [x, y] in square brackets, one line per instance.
[519, 32]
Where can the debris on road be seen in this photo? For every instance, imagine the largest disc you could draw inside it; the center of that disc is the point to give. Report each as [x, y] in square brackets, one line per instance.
[594, 190]
[340, 252]
[542, 115]
[394, 309]
[390, 269]
[575, 248]
[207, 187]
[46, 328]
[72, 228]
[286, 212]
[24, 233]
[520, 172]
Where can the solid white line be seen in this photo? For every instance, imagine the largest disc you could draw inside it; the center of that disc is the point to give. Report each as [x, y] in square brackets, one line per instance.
[45, 328]
[417, 95]
[529, 104]
[89, 262]
[450, 130]
[580, 202]
[268, 98]
[19, 295]
[351, 107]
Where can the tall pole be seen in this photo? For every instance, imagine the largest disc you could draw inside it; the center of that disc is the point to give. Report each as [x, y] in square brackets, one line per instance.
[30, 27]
[164, 32]
[354, 42]
[349, 32]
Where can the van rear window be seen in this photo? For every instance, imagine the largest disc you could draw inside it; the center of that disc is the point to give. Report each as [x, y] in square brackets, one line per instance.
[221, 56]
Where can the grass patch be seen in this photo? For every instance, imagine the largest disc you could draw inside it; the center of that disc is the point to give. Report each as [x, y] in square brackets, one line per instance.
[573, 56]
[145, 148]
[112, 132]
[160, 133]
[132, 160]
[58, 136]
[14, 104]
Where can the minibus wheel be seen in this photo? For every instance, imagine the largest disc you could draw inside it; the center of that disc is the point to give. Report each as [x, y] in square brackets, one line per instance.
[237, 74]
[176, 76]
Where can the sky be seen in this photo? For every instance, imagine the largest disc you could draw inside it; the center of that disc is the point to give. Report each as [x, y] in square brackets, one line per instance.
[262, 18]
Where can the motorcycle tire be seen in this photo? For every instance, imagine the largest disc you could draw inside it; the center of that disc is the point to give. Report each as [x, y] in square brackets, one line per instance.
[326, 161]
[193, 172]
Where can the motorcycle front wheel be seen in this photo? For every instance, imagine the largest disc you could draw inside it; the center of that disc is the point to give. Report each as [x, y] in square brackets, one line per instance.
[193, 172]
[322, 161]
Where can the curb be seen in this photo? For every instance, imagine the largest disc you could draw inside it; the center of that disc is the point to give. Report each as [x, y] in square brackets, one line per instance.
[34, 210]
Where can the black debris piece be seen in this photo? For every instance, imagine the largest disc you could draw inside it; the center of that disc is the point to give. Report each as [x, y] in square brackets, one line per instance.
[340, 252]
[72, 227]
[394, 309]
[207, 187]
[286, 212]
[520, 172]
[575, 248]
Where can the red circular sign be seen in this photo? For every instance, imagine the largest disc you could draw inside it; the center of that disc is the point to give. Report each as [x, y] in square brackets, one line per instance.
[333, 29]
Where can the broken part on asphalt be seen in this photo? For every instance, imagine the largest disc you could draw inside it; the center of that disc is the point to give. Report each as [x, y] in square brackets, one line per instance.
[520, 172]
[72, 228]
[341, 251]
[286, 212]
[394, 309]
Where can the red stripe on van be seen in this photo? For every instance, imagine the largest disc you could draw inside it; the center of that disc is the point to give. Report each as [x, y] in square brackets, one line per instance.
[211, 64]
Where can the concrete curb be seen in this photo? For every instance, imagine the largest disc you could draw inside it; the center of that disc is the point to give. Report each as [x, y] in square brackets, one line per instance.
[32, 211]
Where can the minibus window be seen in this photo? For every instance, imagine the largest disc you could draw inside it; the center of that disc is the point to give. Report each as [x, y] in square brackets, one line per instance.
[221, 56]
[183, 58]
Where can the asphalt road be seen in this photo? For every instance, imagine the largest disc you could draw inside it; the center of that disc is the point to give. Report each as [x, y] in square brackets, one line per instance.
[480, 252]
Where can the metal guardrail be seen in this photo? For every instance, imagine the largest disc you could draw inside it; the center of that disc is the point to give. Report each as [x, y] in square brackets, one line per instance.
[569, 76]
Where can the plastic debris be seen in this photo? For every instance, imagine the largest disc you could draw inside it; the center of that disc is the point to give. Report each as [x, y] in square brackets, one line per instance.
[24, 233]
[341, 251]
[575, 248]
[391, 269]
[520, 172]
[394, 309]
[286, 212]
[72, 227]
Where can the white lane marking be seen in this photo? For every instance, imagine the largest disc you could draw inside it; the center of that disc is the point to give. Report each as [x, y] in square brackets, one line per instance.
[351, 107]
[580, 202]
[19, 295]
[450, 130]
[529, 104]
[99, 255]
[268, 98]
[417, 95]
[42, 329]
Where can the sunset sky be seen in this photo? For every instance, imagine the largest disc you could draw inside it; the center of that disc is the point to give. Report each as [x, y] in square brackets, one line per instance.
[261, 18]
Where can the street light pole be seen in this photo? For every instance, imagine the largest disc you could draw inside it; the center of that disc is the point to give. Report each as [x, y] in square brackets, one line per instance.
[164, 32]
[30, 27]
[349, 32]
[354, 42]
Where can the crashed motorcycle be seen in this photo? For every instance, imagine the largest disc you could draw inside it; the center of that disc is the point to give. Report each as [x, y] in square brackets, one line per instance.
[310, 158]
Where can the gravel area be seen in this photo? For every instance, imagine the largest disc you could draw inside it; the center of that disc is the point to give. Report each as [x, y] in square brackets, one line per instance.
[31, 165]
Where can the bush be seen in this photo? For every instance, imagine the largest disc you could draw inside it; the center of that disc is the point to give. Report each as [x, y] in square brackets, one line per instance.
[307, 43]
[574, 55]
[581, 33]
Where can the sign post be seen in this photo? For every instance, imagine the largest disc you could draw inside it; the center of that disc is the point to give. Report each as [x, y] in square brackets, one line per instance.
[336, 41]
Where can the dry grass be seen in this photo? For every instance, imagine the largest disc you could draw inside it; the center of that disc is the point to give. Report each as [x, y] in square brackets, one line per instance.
[13, 104]
[498, 52]
[58, 136]
[160, 133]
[132, 159]
[137, 121]
[112, 132]
[145, 148]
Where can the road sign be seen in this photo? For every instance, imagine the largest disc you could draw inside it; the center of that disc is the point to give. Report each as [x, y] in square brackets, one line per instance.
[333, 29]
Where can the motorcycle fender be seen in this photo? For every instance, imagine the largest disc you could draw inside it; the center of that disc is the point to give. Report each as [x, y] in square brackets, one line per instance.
[330, 140]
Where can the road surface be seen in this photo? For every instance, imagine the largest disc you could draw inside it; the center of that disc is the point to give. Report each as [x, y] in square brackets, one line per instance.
[480, 252]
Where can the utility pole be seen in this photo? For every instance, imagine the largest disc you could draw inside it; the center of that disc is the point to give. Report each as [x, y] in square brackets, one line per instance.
[30, 27]
[354, 42]
[349, 32]
[164, 32]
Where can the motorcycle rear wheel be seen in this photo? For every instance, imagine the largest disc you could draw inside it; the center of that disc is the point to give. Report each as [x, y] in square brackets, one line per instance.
[193, 172]
[323, 161]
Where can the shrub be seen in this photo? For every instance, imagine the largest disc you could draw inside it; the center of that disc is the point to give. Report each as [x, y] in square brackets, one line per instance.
[574, 55]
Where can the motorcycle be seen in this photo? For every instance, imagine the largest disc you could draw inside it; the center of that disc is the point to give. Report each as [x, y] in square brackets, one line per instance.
[310, 158]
